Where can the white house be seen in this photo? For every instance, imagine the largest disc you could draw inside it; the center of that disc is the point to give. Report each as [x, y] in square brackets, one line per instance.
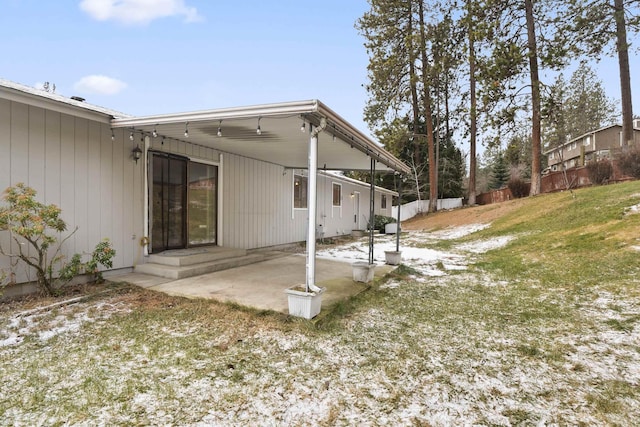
[237, 178]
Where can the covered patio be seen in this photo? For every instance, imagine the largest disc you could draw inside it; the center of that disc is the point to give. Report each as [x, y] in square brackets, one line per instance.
[294, 135]
[260, 285]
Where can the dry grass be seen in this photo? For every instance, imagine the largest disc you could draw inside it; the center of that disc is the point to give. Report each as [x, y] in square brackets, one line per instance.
[542, 331]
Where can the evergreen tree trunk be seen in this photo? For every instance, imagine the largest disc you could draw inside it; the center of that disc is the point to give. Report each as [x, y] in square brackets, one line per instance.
[625, 77]
[413, 83]
[473, 108]
[428, 115]
[535, 101]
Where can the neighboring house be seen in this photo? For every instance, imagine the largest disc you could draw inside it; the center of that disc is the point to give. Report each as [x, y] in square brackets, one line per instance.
[595, 145]
[235, 177]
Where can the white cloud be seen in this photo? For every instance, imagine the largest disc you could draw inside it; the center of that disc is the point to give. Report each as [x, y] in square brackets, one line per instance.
[138, 11]
[101, 85]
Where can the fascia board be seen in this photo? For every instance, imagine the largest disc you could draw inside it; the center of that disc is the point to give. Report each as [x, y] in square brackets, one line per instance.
[82, 111]
[266, 110]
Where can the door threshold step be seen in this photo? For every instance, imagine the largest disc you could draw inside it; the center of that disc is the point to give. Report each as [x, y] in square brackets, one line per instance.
[182, 271]
[185, 257]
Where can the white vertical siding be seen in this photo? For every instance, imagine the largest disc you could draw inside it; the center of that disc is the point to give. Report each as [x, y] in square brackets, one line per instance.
[258, 204]
[72, 162]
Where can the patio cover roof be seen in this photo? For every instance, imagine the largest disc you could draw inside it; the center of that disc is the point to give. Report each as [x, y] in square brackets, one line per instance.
[340, 146]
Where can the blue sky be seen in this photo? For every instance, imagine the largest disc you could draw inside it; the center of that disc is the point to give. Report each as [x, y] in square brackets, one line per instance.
[161, 56]
[200, 55]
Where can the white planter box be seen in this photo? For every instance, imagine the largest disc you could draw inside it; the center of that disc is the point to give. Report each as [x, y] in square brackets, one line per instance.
[393, 257]
[391, 228]
[304, 304]
[357, 233]
[363, 271]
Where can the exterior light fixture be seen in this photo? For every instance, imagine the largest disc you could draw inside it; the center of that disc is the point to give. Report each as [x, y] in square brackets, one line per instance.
[303, 128]
[186, 130]
[220, 129]
[113, 136]
[258, 130]
[131, 136]
[136, 153]
[154, 133]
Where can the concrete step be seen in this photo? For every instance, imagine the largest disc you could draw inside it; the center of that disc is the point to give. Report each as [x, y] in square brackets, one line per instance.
[195, 256]
[182, 271]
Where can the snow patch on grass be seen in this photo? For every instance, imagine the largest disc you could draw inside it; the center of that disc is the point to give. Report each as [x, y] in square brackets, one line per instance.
[44, 325]
[423, 354]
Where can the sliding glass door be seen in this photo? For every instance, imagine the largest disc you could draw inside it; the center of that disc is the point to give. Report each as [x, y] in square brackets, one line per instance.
[183, 205]
[202, 195]
[168, 202]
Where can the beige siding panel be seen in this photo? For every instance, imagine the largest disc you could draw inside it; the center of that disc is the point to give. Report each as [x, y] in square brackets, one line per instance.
[116, 209]
[53, 158]
[93, 196]
[5, 165]
[257, 205]
[5, 144]
[19, 143]
[67, 175]
[81, 183]
[103, 140]
[37, 151]
[73, 163]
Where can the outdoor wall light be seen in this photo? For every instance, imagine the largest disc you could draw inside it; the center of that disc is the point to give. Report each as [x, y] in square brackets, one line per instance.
[131, 136]
[136, 153]
[186, 130]
[258, 130]
[154, 133]
[220, 129]
[352, 195]
[113, 136]
[303, 128]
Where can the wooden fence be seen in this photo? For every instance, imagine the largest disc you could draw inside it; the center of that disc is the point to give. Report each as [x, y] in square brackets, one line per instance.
[550, 183]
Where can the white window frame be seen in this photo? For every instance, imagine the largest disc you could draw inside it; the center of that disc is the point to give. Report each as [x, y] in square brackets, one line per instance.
[337, 207]
[293, 191]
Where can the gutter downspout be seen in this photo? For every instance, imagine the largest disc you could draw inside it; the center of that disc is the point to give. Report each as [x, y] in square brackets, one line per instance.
[145, 183]
[399, 188]
[312, 191]
[372, 206]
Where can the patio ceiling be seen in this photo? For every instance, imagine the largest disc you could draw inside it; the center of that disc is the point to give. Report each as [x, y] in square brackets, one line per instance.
[281, 141]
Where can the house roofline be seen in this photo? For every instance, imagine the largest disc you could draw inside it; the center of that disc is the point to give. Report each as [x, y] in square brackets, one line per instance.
[41, 98]
[353, 181]
[576, 139]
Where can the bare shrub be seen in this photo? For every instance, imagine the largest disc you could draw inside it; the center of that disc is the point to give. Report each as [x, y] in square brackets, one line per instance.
[518, 187]
[629, 163]
[600, 171]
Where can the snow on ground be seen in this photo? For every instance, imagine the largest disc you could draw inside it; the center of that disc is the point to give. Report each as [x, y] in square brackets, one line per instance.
[66, 319]
[430, 262]
[382, 368]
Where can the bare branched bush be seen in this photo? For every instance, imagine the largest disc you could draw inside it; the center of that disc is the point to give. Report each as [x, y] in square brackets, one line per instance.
[629, 163]
[600, 171]
[518, 187]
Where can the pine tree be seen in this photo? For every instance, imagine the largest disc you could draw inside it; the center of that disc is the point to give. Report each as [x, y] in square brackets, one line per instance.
[499, 173]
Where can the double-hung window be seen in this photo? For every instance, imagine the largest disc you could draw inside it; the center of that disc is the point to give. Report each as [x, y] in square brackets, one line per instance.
[299, 192]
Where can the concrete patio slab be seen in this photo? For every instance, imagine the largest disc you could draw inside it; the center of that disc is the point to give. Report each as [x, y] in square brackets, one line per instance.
[261, 285]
